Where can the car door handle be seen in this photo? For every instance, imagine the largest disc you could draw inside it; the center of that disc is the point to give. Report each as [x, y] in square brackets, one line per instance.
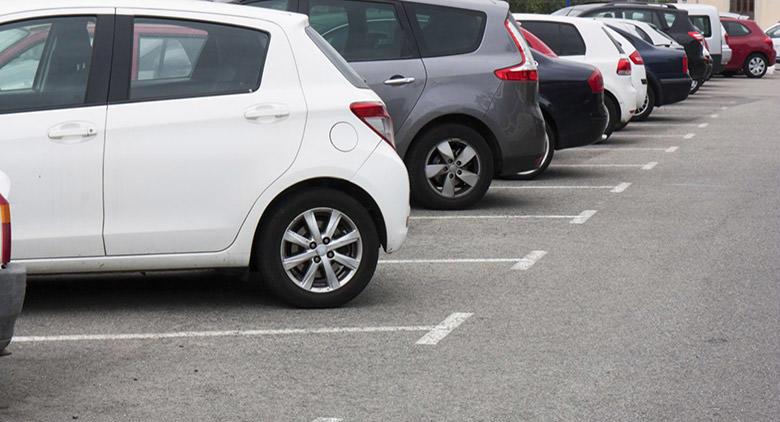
[72, 132]
[267, 113]
[399, 80]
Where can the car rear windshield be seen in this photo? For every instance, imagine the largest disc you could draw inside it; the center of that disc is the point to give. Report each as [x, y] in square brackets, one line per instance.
[335, 58]
[446, 31]
[563, 38]
[703, 24]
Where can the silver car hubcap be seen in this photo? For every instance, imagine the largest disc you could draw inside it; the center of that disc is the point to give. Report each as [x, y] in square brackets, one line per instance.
[321, 250]
[644, 105]
[452, 168]
[756, 66]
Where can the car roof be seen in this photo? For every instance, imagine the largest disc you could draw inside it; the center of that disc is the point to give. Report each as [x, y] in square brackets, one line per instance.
[555, 18]
[697, 7]
[277, 16]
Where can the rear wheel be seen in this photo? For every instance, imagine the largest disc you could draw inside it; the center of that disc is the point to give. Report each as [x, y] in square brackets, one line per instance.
[319, 250]
[647, 108]
[450, 167]
[695, 85]
[613, 111]
[755, 66]
[549, 152]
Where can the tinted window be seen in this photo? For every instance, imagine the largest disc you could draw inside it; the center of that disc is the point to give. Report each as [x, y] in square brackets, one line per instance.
[735, 29]
[703, 23]
[563, 38]
[272, 4]
[360, 30]
[648, 16]
[175, 59]
[670, 19]
[609, 13]
[447, 31]
[29, 79]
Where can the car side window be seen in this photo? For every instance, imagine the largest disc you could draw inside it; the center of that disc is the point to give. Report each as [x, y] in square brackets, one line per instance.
[271, 4]
[178, 59]
[45, 63]
[670, 19]
[775, 33]
[736, 29]
[703, 24]
[446, 31]
[562, 38]
[361, 30]
[640, 15]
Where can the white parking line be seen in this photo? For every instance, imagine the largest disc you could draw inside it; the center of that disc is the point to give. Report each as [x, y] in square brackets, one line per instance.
[648, 166]
[646, 136]
[328, 420]
[621, 187]
[228, 333]
[670, 149]
[703, 125]
[442, 330]
[529, 260]
[714, 116]
[583, 217]
[492, 217]
[449, 261]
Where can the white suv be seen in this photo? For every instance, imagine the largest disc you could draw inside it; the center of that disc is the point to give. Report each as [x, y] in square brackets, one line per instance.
[588, 41]
[146, 135]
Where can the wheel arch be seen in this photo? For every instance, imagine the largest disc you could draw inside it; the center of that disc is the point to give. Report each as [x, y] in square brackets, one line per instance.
[548, 117]
[466, 120]
[341, 185]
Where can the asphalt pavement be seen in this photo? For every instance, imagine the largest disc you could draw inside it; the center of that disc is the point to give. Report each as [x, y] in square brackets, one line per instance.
[637, 280]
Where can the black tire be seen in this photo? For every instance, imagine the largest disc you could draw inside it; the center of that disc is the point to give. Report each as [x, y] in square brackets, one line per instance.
[613, 111]
[728, 73]
[551, 144]
[695, 87]
[424, 149]
[651, 99]
[757, 72]
[267, 256]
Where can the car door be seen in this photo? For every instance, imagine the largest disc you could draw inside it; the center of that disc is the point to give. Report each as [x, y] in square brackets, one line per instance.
[203, 117]
[376, 39]
[53, 86]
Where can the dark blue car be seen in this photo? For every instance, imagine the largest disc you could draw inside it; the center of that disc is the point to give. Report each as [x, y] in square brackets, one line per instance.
[667, 74]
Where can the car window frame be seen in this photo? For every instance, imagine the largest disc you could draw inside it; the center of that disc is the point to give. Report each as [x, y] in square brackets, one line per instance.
[418, 33]
[304, 7]
[97, 87]
[122, 63]
[747, 34]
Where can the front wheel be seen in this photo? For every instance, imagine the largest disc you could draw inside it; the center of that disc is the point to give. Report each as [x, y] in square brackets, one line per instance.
[755, 66]
[450, 167]
[647, 108]
[319, 250]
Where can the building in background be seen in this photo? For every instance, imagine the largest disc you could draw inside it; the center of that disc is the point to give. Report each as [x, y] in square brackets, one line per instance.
[765, 12]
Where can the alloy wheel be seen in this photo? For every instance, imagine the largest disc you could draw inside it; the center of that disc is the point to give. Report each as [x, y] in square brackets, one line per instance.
[452, 168]
[644, 106]
[756, 66]
[321, 250]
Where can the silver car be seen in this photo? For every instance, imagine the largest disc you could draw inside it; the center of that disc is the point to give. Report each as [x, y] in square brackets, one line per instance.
[458, 79]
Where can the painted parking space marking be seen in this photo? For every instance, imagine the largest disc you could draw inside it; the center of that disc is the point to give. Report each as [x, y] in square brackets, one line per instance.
[439, 332]
[583, 217]
[647, 136]
[226, 333]
[647, 166]
[714, 116]
[501, 217]
[619, 188]
[529, 260]
[328, 420]
[669, 149]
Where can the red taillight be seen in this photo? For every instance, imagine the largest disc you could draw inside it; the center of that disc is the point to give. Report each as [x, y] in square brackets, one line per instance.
[768, 41]
[515, 35]
[636, 57]
[5, 232]
[516, 74]
[696, 35]
[596, 82]
[624, 67]
[685, 64]
[375, 116]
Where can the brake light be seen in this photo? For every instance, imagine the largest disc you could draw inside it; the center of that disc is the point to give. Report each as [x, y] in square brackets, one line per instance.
[596, 82]
[685, 64]
[768, 41]
[696, 35]
[515, 35]
[376, 117]
[520, 72]
[5, 232]
[624, 67]
[636, 57]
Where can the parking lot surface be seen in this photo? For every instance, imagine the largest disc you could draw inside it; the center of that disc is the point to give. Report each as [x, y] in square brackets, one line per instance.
[635, 280]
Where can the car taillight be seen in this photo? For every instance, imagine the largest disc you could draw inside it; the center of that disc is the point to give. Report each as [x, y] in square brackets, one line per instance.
[596, 82]
[5, 232]
[636, 57]
[375, 116]
[624, 67]
[685, 64]
[696, 35]
[520, 72]
[768, 41]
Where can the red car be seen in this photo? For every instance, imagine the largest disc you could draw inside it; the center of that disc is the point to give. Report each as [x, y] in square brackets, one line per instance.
[752, 50]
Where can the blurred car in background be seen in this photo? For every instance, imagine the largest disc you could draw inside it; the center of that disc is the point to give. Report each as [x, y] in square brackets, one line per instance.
[753, 50]
[773, 32]
[13, 278]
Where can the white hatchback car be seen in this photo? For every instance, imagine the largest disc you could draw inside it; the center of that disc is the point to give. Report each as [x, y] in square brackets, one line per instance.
[156, 135]
[588, 41]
